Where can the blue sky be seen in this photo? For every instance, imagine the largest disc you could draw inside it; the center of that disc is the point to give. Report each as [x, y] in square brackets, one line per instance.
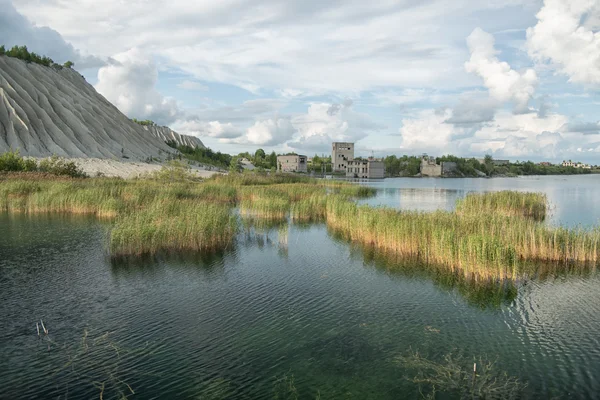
[518, 79]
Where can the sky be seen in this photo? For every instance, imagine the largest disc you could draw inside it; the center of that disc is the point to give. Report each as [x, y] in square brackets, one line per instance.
[517, 79]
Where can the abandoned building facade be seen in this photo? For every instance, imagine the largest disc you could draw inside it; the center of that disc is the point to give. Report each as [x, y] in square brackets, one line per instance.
[341, 153]
[367, 169]
[292, 163]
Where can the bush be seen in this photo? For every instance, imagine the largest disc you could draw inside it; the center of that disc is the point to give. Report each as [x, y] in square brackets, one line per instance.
[59, 166]
[145, 122]
[174, 171]
[11, 162]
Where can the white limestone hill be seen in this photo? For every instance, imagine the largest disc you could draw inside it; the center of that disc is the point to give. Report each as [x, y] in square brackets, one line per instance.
[53, 110]
[166, 134]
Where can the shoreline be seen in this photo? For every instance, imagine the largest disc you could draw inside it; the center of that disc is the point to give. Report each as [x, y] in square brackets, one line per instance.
[96, 167]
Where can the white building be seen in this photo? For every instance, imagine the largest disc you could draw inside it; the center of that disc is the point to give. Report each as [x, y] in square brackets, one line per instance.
[367, 169]
[292, 163]
[341, 153]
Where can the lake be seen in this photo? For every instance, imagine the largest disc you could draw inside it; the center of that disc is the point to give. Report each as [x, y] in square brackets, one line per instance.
[288, 312]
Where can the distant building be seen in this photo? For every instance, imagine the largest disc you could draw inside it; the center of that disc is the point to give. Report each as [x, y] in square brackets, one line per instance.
[292, 163]
[341, 153]
[429, 167]
[367, 169]
[546, 164]
[576, 165]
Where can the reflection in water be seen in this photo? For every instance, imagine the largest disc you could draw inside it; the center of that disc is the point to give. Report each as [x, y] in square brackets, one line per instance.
[210, 265]
[573, 199]
[480, 293]
[416, 198]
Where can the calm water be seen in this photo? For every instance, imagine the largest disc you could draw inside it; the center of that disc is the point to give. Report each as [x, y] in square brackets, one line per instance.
[573, 199]
[288, 307]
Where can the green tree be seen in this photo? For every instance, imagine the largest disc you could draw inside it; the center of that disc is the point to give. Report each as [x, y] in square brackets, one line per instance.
[236, 165]
[69, 64]
[272, 160]
[2, 50]
[488, 161]
[259, 155]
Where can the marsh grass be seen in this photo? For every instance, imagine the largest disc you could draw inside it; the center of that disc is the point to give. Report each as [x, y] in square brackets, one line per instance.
[507, 203]
[490, 236]
[173, 227]
[478, 245]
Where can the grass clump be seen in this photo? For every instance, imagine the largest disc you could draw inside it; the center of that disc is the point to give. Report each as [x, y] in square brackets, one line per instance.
[509, 203]
[264, 203]
[173, 226]
[310, 209]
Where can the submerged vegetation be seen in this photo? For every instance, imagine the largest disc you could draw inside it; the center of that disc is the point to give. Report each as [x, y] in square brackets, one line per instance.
[462, 378]
[491, 236]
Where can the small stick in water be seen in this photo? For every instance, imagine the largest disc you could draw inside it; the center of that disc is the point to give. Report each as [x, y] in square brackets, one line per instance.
[37, 326]
[43, 327]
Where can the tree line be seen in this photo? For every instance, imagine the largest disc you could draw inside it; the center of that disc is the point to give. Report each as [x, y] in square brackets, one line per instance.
[472, 167]
[22, 53]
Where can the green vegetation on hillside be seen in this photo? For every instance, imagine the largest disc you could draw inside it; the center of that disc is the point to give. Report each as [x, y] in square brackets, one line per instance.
[13, 162]
[22, 53]
[145, 122]
[203, 155]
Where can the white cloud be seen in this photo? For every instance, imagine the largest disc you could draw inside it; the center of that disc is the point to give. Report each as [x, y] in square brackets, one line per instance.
[214, 129]
[504, 83]
[292, 46]
[567, 35]
[429, 132]
[312, 131]
[324, 123]
[270, 132]
[15, 29]
[192, 85]
[129, 82]
[525, 136]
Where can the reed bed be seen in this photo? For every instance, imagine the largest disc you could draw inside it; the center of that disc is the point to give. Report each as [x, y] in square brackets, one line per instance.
[490, 236]
[173, 226]
[480, 246]
[508, 203]
[311, 209]
[155, 215]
